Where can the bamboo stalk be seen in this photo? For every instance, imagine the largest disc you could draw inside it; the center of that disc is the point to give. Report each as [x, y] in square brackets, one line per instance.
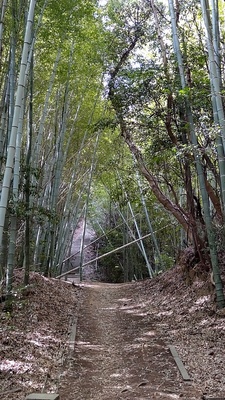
[93, 242]
[143, 251]
[3, 8]
[93, 161]
[199, 167]
[213, 39]
[148, 220]
[105, 234]
[12, 144]
[110, 252]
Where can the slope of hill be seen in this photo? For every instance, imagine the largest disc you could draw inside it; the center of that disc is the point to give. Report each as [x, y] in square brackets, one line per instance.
[34, 337]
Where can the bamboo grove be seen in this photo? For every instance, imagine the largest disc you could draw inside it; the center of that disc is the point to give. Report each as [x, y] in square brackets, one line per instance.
[112, 112]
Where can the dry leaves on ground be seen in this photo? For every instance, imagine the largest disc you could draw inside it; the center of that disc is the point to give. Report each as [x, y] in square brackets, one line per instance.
[34, 337]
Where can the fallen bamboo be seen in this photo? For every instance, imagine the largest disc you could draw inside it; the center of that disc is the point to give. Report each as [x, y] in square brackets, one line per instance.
[107, 254]
[77, 252]
[94, 241]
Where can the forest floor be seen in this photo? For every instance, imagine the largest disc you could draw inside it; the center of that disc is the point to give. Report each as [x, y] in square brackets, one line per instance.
[122, 337]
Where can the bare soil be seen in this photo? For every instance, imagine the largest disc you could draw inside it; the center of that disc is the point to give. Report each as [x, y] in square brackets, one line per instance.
[121, 349]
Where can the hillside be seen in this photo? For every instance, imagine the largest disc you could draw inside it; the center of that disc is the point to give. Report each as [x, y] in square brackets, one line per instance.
[34, 337]
[36, 355]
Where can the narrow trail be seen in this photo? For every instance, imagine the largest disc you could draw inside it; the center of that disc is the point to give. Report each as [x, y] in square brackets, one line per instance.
[119, 352]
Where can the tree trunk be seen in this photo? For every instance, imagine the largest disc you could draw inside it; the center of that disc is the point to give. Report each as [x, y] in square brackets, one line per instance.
[199, 168]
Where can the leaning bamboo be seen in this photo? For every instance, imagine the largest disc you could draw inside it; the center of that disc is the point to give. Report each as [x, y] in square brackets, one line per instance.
[149, 222]
[149, 267]
[90, 244]
[110, 252]
[109, 241]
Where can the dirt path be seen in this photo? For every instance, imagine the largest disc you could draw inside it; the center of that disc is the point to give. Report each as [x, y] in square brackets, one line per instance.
[120, 352]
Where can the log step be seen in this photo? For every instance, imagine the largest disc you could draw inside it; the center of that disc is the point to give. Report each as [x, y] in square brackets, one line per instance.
[43, 396]
[180, 364]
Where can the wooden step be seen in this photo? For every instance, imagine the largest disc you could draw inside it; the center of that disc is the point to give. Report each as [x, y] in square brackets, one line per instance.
[42, 396]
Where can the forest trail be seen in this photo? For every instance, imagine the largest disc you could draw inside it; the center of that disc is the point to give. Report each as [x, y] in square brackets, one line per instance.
[120, 352]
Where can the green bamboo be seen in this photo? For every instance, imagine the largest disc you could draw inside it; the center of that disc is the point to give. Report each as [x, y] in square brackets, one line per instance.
[2, 16]
[4, 120]
[93, 161]
[149, 267]
[28, 183]
[37, 144]
[105, 234]
[159, 262]
[71, 215]
[212, 29]
[199, 168]
[18, 103]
